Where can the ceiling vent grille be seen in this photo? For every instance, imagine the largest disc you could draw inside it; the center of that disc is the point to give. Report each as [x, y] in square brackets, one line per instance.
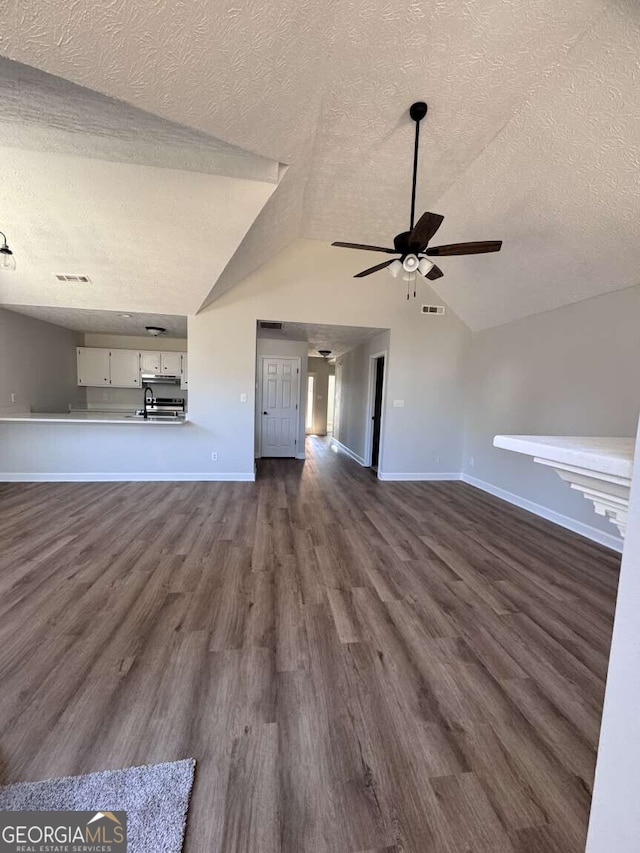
[433, 309]
[84, 279]
[267, 325]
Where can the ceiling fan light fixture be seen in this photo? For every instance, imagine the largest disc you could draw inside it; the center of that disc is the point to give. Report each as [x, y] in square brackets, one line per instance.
[410, 263]
[395, 268]
[425, 266]
[155, 330]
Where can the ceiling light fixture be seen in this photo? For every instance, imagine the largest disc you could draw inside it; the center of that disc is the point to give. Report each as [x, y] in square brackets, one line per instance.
[126, 316]
[155, 330]
[7, 258]
[325, 353]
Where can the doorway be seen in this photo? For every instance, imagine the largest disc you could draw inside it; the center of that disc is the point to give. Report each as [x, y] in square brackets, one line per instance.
[331, 402]
[376, 417]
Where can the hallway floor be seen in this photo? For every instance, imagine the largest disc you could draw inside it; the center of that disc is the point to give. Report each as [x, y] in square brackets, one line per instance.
[355, 665]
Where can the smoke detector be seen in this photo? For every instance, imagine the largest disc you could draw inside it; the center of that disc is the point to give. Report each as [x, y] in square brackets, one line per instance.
[155, 330]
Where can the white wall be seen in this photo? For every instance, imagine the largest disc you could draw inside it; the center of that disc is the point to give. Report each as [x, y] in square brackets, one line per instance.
[615, 817]
[282, 349]
[37, 364]
[308, 282]
[572, 371]
[352, 390]
[322, 370]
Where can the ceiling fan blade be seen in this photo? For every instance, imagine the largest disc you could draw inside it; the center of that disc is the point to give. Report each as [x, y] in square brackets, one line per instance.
[374, 269]
[425, 228]
[434, 273]
[365, 247]
[465, 248]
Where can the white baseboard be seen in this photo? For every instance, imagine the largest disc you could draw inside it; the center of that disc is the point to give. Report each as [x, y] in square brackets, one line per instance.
[586, 530]
[301, 455]
[109, 477]
[426, 476]
[347, 450]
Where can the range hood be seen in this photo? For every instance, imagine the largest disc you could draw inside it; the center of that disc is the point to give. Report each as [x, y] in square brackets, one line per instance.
[159, 379]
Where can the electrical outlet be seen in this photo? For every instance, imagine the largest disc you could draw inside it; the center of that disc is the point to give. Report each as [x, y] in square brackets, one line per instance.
[243, 398]
[438, 458]
[214, 457]
[14, 397]
[471, 462]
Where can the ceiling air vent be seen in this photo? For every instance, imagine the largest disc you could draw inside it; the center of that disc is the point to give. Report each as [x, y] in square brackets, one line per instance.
[266, 325]
[83, 279]
[433, 309]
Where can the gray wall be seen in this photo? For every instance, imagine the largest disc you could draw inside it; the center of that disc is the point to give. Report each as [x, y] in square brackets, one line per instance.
[38, 364]
[322, 370]
[572, 371]
[352, 394]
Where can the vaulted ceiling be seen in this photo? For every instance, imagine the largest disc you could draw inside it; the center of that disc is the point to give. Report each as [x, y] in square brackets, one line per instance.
[532, 134]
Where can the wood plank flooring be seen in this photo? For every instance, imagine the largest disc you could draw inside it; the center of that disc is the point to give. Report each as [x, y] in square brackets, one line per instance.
[357, 666]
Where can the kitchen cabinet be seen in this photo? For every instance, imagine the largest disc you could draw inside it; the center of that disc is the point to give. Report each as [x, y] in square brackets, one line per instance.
[124, 365]
[184, 375]
[171, 363]
[150, 362]
[122, 368]
[93, 366]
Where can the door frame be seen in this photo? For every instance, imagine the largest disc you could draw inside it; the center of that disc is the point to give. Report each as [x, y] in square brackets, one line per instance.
[260, 409]
[371, 396]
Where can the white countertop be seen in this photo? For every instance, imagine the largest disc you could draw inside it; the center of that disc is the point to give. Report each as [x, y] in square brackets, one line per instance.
[89, 418]
[612, 456]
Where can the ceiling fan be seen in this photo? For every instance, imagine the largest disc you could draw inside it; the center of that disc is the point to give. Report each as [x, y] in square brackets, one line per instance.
[412, 245]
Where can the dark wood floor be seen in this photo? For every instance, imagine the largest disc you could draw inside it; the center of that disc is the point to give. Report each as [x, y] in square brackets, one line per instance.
[355, 665]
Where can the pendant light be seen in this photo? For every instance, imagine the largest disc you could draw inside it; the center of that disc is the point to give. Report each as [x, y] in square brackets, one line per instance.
[7, 258]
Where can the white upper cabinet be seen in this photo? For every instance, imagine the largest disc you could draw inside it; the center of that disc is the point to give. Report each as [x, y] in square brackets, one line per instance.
[122, 368]
[171, 363]
[93, 366]
[125, 368]
[184, 376]
[150, 362]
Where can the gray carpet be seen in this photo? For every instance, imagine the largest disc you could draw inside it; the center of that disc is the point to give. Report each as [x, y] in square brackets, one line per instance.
[155, 798]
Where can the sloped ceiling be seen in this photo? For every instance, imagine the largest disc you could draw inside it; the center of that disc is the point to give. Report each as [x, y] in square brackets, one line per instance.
[151, 211]
[532, 132]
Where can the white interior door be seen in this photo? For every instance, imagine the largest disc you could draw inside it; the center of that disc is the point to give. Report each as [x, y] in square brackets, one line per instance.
[280, 392]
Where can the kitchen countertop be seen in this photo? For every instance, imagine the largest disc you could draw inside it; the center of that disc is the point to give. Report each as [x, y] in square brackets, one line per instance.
[89, 418]
[613, 456]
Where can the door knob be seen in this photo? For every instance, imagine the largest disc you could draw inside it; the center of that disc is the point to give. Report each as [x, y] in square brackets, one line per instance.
[265, 413]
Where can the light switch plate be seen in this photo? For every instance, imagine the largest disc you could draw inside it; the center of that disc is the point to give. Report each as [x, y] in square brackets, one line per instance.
[243, 398]
[398, 404]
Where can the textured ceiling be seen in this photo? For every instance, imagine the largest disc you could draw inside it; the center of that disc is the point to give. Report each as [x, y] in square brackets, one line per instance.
[338, 339]
[104, 322]
[531, 136]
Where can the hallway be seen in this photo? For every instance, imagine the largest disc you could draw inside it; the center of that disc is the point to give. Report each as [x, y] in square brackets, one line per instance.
[355, 665]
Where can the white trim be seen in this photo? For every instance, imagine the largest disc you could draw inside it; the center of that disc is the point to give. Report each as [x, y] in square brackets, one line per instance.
[368, 427]
[301, 455]
[348, 452]
[586, 530]
[258, 411]
[108, 477]
[429, 475]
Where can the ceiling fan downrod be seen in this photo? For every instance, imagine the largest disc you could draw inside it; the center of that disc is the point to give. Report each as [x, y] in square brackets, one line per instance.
[417, 112]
